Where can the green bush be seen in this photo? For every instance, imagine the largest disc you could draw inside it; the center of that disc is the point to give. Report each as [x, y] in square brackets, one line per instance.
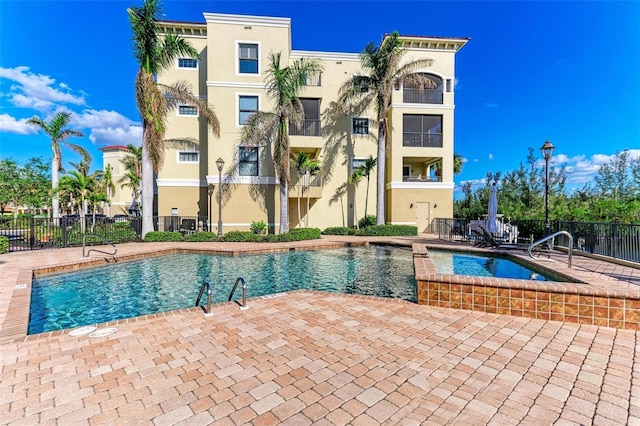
[259, 228]
[4, 245]
[336, 230]
[299, 234]
[367, 221]
[202, 237]
[388, 231]
[156, 236]
[241, 237]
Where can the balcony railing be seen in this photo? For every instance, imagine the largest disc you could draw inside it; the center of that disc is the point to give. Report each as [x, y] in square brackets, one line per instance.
[427, 96]
[302, 181]
[421, 178]
[424, 140]
[307, 128]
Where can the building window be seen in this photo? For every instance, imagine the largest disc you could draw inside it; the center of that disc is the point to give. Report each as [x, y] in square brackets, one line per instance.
[187, 63]
[247, 105]
[356, 163]
[188, 157]
[359, 126]
[422, 130]
[310, 126]
[187, 110]
[248, 161]
[449, 86]
[248, 58]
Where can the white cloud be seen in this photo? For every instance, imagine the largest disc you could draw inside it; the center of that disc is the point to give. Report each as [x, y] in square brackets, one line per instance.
[490, 156]
[117, 136]
[37, 91]
[10, 125]
[108, 127]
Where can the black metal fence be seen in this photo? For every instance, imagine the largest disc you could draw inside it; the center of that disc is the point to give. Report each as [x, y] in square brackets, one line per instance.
[616, 240]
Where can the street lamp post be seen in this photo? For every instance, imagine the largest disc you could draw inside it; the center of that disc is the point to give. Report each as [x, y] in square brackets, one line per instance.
[547, 152]
[210, 191]
[220, 165]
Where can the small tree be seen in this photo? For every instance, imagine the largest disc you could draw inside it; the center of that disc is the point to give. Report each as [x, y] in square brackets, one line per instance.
[354, 180]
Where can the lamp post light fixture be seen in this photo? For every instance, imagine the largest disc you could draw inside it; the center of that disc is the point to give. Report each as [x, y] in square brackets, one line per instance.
[220, 165]
[210, 192]
[547, 152]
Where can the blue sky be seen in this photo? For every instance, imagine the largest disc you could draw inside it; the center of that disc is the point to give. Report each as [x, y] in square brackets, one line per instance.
[564, 71]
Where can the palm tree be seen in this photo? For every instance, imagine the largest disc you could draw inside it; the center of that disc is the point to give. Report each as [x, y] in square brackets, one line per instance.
[57, 131]
[108, 185]
[300, 163]
[382, 67]
[354, 179]
[156, 52]
[367, 169]
[312, 170]
[133, 160]
[457, 163]
[132, 181]
[284, 86]
[78, 186]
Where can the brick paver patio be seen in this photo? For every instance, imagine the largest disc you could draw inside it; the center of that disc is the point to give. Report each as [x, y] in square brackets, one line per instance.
[318, 358]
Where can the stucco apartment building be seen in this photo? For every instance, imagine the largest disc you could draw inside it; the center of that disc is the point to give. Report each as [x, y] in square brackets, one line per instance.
[230, 74]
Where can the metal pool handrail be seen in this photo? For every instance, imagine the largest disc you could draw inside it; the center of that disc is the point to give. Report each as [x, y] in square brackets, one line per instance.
[547, 238]
[207, 310]
[84, 238]
[243, 305]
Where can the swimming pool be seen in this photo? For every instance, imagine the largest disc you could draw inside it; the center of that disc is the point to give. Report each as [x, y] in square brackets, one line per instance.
[451, 262]
[168, 282]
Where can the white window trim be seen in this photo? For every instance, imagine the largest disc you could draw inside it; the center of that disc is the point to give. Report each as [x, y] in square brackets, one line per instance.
[237, 44]
[187, 115]
[237, 153]
[368, 126]
[187, 68]
[237, 110]
[187, 162]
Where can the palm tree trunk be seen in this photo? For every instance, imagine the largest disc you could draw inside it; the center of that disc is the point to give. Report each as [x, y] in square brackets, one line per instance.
[299, 215]
[380, 178]
[147, 191]
[55, 203]
[308, 182]
[108, 208]
[284, 206]
[366, 200]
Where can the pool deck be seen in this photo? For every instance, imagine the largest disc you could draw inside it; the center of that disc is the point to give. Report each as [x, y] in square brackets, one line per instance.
[318, 358]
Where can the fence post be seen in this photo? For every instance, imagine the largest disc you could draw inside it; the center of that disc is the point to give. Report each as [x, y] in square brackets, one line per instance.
[63, 225]
[614, 242]
[32, 233]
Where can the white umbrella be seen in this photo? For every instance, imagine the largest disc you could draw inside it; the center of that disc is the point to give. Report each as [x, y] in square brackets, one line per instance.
[492, 225]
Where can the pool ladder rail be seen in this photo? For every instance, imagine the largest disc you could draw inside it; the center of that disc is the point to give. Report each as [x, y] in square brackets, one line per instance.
[85, 253]
[551, 237]
[207, 309]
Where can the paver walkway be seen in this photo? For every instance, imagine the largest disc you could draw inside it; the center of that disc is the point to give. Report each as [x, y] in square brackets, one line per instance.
[318, 358]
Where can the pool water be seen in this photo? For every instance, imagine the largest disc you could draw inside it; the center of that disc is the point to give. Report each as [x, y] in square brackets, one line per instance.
[448, 262]
[163, 283]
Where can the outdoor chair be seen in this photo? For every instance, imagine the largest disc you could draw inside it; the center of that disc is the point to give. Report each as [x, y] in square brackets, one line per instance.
[188, 226]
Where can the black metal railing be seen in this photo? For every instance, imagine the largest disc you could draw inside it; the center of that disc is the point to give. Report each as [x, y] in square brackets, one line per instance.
[426, 96]
[424, 140]
[610, 239]
[308, 127]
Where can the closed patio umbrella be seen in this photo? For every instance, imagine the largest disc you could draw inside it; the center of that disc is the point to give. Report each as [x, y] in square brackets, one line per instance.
[492, 225]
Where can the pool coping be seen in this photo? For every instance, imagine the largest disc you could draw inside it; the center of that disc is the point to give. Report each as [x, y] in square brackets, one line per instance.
[15, 324]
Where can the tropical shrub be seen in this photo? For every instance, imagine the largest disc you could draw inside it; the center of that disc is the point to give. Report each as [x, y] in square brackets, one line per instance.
[4, 245]
[162, 236]
[336, 230]
[259, 228]
[299, 234]
[388, 231]
[367, 221]
[241, 237]
[201, 237]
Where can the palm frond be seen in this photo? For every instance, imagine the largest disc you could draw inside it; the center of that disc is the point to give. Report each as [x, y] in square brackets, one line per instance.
[180, 93]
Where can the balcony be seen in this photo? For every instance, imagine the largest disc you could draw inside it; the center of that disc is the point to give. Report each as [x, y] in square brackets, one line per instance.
[307, 128]
[422, 179]
[422, 140]
[427, 96]
[314, 189]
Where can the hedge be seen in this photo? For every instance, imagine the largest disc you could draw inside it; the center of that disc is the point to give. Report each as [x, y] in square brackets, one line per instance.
[4, 245]
[338, 230]
[388, 231]
[163, 237]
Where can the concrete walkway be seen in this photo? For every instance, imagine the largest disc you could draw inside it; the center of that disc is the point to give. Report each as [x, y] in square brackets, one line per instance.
[317, 358]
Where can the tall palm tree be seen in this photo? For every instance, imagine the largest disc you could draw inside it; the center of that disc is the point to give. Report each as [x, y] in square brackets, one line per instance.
[457, 163]
[108, 186]
[284, 86]
[300, 163]
[382, 68]
[367, 169]
[132, 181]
[354, 180]
[157, 52]
[312, 170]
[57, 131]
[132, 161]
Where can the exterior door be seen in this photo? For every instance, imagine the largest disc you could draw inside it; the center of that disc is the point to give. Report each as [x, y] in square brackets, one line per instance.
[422, 216]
